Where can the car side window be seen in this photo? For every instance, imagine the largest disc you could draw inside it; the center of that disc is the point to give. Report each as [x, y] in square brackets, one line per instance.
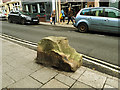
[85, 12]
[112, 13]
[97, 12]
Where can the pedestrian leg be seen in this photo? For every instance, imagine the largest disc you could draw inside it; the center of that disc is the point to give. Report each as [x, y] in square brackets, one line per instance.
[53, 20]
[72, 20]
[68, 20]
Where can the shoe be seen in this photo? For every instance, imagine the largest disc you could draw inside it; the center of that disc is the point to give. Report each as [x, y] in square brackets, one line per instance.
[67, 23]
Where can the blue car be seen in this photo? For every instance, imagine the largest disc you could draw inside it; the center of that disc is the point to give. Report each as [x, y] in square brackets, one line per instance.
[105, 19]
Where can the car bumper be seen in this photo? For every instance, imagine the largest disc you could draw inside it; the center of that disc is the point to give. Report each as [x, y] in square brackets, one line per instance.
[74, 25]
[3, 18]
[32, 22]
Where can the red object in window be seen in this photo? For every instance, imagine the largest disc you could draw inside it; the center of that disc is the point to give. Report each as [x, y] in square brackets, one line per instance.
[38, 15]
[44, 15]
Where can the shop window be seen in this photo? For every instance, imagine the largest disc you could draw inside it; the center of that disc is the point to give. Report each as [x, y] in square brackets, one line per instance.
[29, 9]
[112, 13]
[35, 9]
[103, 4]
[96, 12]
[85, 12]
[42, 8]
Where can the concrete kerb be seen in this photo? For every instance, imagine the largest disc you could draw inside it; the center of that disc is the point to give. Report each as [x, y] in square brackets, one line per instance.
[58, 24]
[87, 61]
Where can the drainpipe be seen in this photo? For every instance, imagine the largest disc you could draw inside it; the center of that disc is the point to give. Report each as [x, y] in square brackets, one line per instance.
[57, 12]
[59, 2]
[81, 4]
[31, 8]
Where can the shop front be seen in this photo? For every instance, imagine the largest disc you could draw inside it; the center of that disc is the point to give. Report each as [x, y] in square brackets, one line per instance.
[75, 6]
[41, 9]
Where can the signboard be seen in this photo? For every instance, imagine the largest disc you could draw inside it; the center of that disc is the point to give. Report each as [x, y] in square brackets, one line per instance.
[6, 1]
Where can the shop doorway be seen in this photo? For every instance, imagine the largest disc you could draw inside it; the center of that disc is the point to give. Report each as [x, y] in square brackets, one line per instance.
[48, 10]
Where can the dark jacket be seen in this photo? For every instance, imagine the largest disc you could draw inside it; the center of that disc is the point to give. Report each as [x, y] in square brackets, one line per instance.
[53, 14]
[70, 13]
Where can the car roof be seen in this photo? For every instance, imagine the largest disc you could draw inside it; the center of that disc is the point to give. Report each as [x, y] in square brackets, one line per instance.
[101, 7]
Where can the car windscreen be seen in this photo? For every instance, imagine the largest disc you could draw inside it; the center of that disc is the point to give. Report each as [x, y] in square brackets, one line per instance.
[25, 12]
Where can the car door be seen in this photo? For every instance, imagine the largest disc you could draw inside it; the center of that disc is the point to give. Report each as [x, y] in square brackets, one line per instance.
[111, 20]
[96, 18]
[16, 16]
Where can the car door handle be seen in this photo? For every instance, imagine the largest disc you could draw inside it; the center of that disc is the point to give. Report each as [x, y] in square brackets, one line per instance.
[89, 18]
[106, 20]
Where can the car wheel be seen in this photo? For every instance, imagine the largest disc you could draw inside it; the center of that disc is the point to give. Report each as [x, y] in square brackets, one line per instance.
[23, 22]
[82, 27]
[9, 20]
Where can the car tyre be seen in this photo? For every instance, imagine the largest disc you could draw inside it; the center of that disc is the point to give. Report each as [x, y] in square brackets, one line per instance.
[23, 22]
[9, 20]
[83, 28]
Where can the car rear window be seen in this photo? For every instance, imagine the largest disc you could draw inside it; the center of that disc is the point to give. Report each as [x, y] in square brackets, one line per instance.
[85, 12]
[112, 13]
[25, 12]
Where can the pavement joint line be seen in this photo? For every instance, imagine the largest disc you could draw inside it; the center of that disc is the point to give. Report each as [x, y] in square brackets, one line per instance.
[76, 80]
[36, 79]
[105, 82]
[62, 82]
[86, 58]
[89, 85]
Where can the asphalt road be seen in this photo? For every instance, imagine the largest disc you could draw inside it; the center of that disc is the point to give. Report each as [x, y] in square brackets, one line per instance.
[97, 45]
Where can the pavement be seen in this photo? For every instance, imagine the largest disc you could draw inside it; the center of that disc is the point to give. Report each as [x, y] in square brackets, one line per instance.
[59, 24]
[19, 70]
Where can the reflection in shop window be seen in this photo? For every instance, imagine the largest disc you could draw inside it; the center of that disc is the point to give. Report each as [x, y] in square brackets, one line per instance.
[42, 8]
[35, 10]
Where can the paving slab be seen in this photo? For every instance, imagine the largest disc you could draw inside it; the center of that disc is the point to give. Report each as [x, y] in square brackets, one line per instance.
[44, 75]
[19, 73]
[67, 73]
[33, 65]
[6, 81]
[27, 82]
[92, 79]
[6, 67]
[81, 86]
[78, 72]
[108, 87]
[112, 82]
[18, 62]
[65, 79]
[55, 84]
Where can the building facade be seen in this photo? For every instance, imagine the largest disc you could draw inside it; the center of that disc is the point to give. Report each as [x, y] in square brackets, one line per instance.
[42, 9]
[10, 5]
